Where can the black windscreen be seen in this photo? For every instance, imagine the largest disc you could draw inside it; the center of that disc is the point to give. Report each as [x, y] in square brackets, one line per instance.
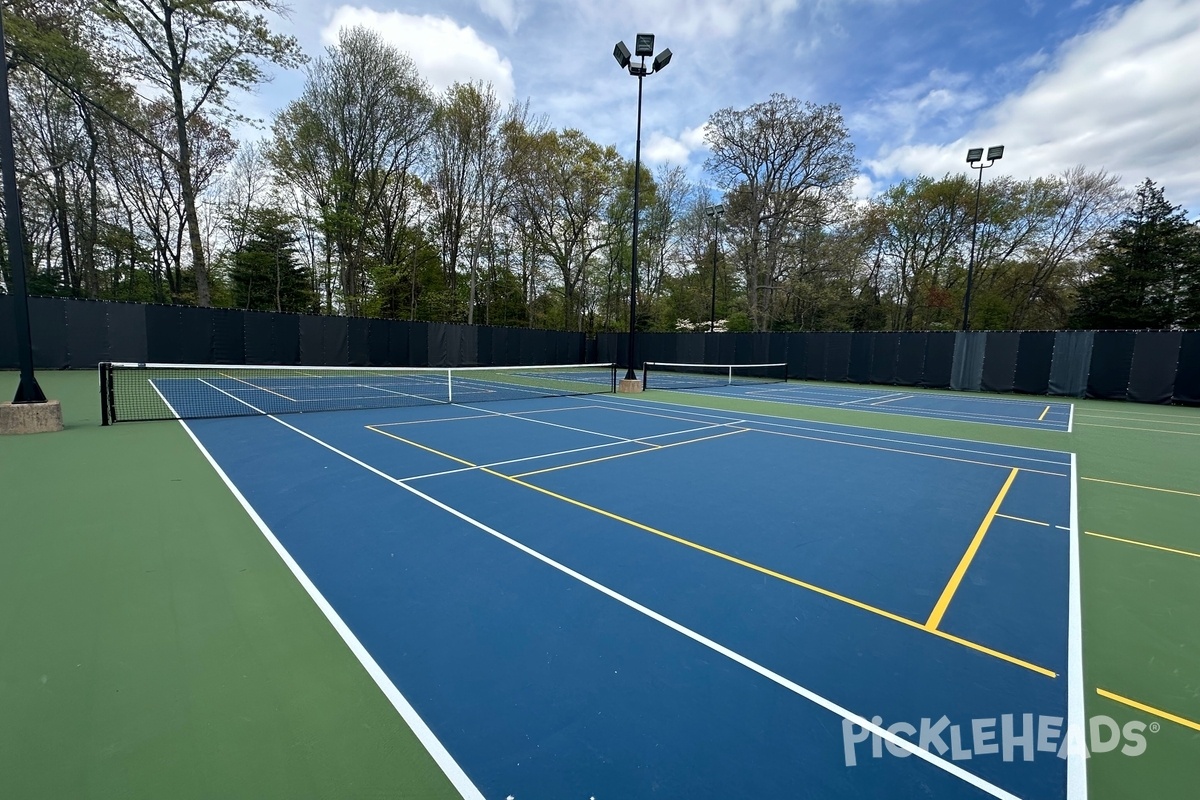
[1000, 361]
[1112, 357]
[1155, 362]
[1035, 355]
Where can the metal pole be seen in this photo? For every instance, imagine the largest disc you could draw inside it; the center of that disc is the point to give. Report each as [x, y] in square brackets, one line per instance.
[966, 320]
[712, 314]
[28, 390]
[630, 374]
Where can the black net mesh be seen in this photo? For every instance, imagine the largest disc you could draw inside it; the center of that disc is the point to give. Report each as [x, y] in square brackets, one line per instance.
[138, 392]
[660, 375]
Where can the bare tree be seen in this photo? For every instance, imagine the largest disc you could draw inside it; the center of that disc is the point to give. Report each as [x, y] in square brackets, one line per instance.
[782, 163]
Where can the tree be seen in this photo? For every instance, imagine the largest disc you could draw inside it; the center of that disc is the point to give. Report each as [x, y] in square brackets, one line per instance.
[1148, 270]
[264, 271]
[350, 144]
[784, 165]
[196, 52]
[567, 181]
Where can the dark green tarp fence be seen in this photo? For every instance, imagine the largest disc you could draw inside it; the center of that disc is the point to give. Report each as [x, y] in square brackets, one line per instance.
[1141, 366]
[78, 334]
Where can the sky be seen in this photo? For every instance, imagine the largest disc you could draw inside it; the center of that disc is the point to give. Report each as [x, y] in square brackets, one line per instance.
[1103, 84]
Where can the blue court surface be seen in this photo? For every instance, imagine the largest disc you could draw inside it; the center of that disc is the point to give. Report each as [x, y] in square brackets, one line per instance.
[602, 597]
[1037, 414]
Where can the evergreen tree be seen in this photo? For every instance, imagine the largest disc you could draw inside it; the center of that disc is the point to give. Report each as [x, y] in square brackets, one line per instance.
[264, 271]
[1149, 270]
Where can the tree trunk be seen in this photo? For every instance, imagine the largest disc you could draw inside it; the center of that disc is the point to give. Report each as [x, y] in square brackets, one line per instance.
[184, 167]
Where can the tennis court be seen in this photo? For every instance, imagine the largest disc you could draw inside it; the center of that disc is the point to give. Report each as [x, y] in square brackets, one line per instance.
[564, 592]
[758, 382]
[502, 563]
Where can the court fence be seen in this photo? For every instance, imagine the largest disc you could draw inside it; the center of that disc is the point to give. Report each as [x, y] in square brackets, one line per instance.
[79, 334]
[1139, 366]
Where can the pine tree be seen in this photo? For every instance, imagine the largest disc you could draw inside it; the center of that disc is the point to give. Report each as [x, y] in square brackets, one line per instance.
[1149, 270]
[264, 272]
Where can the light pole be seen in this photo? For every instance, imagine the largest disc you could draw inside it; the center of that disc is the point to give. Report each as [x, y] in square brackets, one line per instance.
[643, 46]
[28, 390]
[974, 157]
[714, 213]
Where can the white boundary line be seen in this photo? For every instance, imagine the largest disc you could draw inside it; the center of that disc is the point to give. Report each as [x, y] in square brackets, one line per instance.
[795, 688]
[923, 390]
[796, 424]
[1076, 714]
[441, 756]
[905, 411]
[256, 386]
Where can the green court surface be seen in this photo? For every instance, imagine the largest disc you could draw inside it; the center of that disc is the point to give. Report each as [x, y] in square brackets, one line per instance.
[153, 645]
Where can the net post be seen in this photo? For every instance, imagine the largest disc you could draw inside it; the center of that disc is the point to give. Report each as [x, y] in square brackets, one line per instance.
[614, 378]
[105, 369]
[449, 386]
[645, 373]
[730, 382]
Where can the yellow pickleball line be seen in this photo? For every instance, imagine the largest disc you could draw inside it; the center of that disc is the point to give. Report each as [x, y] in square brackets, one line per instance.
[943, 603]
[747, 564]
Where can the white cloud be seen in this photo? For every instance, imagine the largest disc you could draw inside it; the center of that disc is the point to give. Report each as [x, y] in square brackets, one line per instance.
[503, 11]
[443, 51]
[663, 149]
[1121, 97]
[696, 19]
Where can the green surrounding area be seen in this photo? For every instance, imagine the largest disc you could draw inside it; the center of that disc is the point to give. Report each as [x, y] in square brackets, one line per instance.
[153, 645]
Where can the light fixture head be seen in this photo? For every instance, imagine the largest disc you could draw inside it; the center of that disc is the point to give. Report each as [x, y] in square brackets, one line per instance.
[996, 153]
[974, 155]
[713, 211]
[638, 70]
[643, 45]
[621, 54]
[664, 58]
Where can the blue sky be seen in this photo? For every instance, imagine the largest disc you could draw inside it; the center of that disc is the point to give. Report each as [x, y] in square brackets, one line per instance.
[1110, 85]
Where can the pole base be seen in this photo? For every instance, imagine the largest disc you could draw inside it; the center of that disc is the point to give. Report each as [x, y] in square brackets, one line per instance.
[629, 385]
[30, 417]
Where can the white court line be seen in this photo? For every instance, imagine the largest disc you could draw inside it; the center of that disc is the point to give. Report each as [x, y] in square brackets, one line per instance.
[254, 386]
[912, 411]
[865, 399]
[907, 452]
[893, 399]
[772, 420]
[402, 394]
[554, 425]
[808, 694]
[642, 441]
[1156, 419]
[1076, 718]
[478, 416]
[425, 735]
[974, 397]
[1144, 430]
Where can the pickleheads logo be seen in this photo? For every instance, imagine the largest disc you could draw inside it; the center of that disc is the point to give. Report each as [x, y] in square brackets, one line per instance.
[1009, 737]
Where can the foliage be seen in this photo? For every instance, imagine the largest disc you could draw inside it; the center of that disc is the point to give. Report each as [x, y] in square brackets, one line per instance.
[1148, 271]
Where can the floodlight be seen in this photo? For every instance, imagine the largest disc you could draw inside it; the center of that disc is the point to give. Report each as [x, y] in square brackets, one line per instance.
[621, 54]
[644, 44]
[664, 58]
[638, 70]
[996, 153]
[974, 155]
[712, 211]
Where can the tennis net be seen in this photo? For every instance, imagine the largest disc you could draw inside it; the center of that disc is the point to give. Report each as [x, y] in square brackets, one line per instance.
[661, 375]
[141, 392]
